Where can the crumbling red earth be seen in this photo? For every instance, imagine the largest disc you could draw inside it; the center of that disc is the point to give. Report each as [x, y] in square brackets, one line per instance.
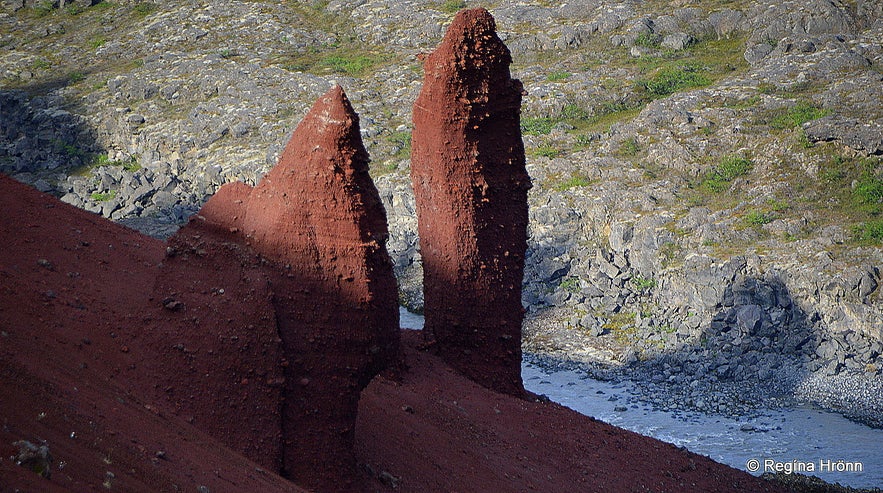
[79, 360]
[470, 185]
[76, 358]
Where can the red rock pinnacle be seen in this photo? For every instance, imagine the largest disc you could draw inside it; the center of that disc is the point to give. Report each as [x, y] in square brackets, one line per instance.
[319, 215]
[470, 184]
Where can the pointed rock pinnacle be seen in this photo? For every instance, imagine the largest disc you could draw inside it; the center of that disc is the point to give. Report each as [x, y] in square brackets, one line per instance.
[318, 215]
[470, 184]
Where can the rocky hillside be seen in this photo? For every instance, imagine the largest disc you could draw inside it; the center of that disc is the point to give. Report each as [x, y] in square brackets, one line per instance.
[708, 180]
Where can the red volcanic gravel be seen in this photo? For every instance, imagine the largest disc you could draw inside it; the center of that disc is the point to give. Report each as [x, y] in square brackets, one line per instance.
[437, 431]
[82, 372]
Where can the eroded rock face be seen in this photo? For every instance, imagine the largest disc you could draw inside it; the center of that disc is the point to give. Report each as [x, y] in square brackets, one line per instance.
[470, 183]
[318, 216]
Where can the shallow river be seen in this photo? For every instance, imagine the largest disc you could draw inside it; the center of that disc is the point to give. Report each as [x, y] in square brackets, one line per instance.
[802, 439]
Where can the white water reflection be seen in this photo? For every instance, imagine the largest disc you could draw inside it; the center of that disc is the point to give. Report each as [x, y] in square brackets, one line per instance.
[408, 320]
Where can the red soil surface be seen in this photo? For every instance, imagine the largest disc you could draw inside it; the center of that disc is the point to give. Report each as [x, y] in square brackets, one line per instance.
[79, 360]
[438, 431]
[85, 362]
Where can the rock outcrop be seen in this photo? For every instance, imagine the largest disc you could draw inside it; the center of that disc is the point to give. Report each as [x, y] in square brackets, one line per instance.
[470, 184]
[318, 217]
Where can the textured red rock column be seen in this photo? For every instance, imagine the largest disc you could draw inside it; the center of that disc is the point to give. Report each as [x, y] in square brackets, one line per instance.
[470, 184]
[318, 214]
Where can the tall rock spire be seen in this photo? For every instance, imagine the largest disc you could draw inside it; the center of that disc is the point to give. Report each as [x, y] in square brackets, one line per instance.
[470, 184]
[318, 214]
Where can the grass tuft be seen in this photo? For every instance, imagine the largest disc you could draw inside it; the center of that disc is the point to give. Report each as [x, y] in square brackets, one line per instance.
[537, 125]
[730, 168]
[643, 283]
[757, 218]
[648, 40]
[558, 76]
[628, 148]
[669, 80]
[869, 231]
[868, 190]
[450, 6]
[402, 141]
[546, 151]
[572, 182]
[97, 42]
[144, 9]
[347, 55]
[355, 65]
[797, 115]
[571, 284]
[44, 8]
[103, 196]
[339, 59]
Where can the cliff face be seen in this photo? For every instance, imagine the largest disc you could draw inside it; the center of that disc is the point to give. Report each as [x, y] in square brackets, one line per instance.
[318, 216]
[470, 184]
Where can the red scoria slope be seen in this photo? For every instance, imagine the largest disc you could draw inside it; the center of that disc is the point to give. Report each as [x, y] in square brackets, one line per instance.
[72, 342]
[74, 315]
[436, 430]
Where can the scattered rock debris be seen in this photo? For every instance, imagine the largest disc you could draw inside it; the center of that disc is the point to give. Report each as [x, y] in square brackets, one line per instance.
[34, 457]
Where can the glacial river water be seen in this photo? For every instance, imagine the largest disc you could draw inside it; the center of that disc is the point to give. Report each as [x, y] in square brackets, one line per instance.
[803, 439]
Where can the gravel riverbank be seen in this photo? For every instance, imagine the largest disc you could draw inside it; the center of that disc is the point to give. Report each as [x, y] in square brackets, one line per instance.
[667, 384]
